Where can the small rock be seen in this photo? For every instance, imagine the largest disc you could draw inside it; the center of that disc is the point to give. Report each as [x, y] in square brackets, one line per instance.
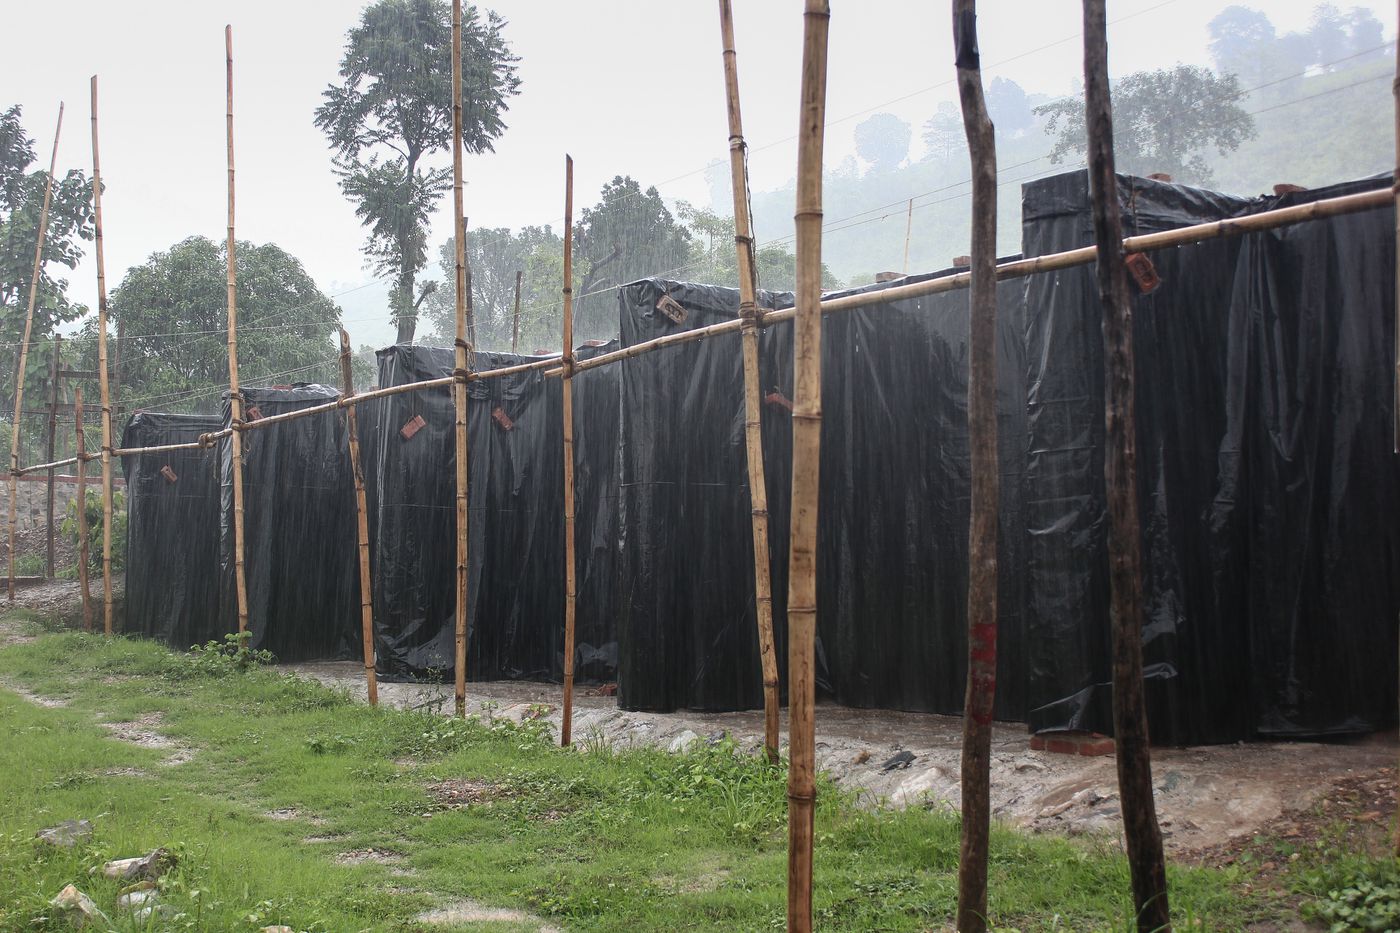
[144, 914]
[1055, 810]
[150, 866]
[71, 900]
[715, 738]
[683, 741]
[862, 757]
[1027, 763]
[277, 929]
[67, 834]
[135, 899]
[899, 762]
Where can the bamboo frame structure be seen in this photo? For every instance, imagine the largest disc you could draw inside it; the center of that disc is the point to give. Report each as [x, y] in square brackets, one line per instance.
[81, 461]
[235, 395]
[566, 729]
[102, 375]
[515, 319]
[1146, 863]
[347, 377]
[49, 450]
[24, 349]
[979, 702]
[459, 385]
[753, 426]
[806, 458]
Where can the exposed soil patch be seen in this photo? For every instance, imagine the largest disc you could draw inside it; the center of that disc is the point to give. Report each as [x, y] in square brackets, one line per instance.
[36, 699]
[460, 913]
[460, 793]
[290, 814]
[361, 856]
[62, 600]
[143, 732]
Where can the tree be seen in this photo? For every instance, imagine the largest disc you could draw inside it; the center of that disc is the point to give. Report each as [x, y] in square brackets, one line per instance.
[883, 141]
[943, 132]
[1009, 106]
[393, 109]
[1165, 120]
[173, 310]
[1237, 36]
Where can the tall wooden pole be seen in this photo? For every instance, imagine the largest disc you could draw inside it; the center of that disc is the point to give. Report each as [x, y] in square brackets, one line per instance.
[235, 396]
[459, 388]
[24, 350]
[753, 428]
[347, 377]
[1395, 185]
[515, 321]
[1144, 836]
[102, 375]
[81, 467]
[908, 233]
[50, 449]
[806, 456]
[570, 588]
[980, 700]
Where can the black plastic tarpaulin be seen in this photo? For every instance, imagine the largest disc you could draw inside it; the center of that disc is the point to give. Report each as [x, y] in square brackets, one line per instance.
[300, 550]
[172, 549]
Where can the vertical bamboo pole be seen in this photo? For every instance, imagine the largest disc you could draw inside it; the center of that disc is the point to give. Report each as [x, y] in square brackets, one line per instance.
[81, 465]
[347, 378]
[459, 388]
[806, 458]
[570, 583]
[24, 348]
[51, 449]
[515, 321]
[235, 396]
[1144, 837]
[980, 699]
[753, 428]
[102, 375]
[908, 233]
[1395, 184]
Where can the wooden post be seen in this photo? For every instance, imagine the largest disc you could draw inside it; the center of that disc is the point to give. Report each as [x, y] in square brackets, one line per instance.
[102, 375]
[52, 455]
[570, 589]
[24, 351]
[908, 232]
[1144, 837]
[347, 377]
[1395, 180]
[980, 699]
[463, 365]
[81, 467]
[753, 428]
[806, 458]
[515, 321]
[235, 396]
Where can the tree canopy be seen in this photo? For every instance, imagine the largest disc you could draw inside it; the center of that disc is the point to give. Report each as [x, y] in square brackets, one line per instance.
[883, 141]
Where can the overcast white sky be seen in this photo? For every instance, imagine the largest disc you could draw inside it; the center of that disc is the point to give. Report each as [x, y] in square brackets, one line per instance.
[627, 86]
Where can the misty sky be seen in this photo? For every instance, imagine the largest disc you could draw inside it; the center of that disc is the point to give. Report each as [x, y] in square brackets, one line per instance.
[627, 86]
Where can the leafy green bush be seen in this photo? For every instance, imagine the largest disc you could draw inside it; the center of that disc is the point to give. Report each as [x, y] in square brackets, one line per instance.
[94, 522]
[230, 656]
[1357, 895]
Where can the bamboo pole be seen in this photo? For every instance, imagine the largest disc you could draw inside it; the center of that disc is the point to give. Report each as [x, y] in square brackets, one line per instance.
[1395, 185]
[347, 377]
[102, 375]
[81, 459]
[980, 700]
[49, 450]
[235, 395]
[753, 428]
[1144, 838]
[570, 584]
[24, 348]
[459, 387]
[806, 458]
[515, 320]
[908, 233]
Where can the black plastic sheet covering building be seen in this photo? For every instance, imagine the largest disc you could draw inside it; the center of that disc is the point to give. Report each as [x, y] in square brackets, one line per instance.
[172, 533]
[300, 546]
[516, 520]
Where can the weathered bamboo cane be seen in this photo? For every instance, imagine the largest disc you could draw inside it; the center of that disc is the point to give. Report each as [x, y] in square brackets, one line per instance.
[50, 449]
[459, 387]
[908, 234]
[347, 377]
[235, 395]
[515, 320]
[566, 729]
[83, 587]
[1143, 835]
[753, 427]
[1395, 185]
[24, 348]
[806, 458]
[102, 375]
[980, 699]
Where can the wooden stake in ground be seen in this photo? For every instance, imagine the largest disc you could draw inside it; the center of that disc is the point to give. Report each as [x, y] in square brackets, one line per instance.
[24, 350]
[50, 449]
[235, 395]
[347, 377]
[570, 584]
[459, 388]
[515, 321]
[102, 375]
[980, 699]
[806, 454]
[81, 467]
[753, 428]
[1144, 837]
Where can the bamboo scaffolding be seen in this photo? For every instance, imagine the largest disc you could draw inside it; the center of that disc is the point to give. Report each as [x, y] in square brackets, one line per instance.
[24, 348]
[980, 698]
[515, 320]
[49, 450]
[459, 387]
[806, 458]
[81, 461]
[566, 729]
[753, 427]
[1134, 757]
[347, 377]
[102, 375]
[235, 395]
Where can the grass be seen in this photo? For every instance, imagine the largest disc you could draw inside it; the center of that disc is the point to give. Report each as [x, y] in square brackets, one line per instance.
[637, 840]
